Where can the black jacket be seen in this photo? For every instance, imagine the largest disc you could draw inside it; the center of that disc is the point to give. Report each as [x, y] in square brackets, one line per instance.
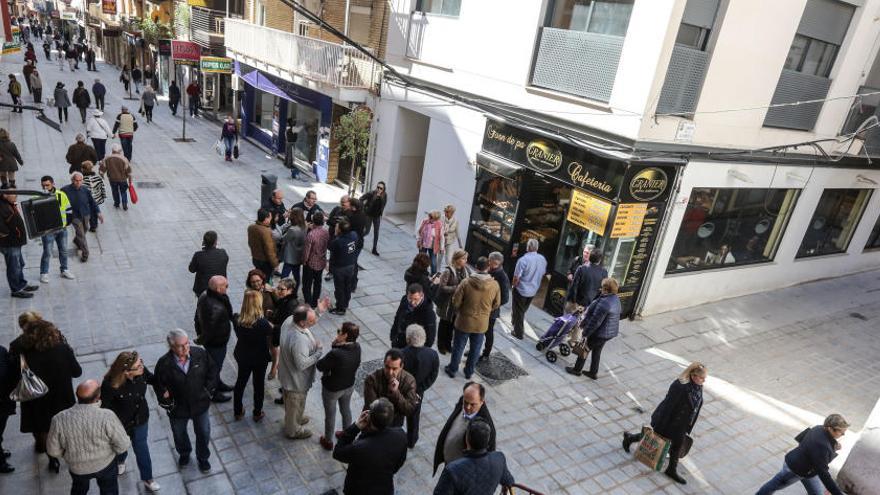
[57, 367]
[81, 98]
[333, 218]
[310, 212]
[811, 457]
[586, 284]
[277, 211]
[421, 277]
[503, 280]
[441, 440]
[374, 205]
[676, 415]
[344, 250]
[339, 366]
[191, 392]
[8, 382]
[372, 459]
[205, 264]
[358, 221]
[284, 308]
[174, 93]
[477, 473]
[423, 314]
[129, 401]
[213, 319]
[252, 345]
[12, 231]
[423, 363]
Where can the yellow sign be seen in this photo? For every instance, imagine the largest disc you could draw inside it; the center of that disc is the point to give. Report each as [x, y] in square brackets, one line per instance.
[628, 222]
[197, 3]
[588, 211]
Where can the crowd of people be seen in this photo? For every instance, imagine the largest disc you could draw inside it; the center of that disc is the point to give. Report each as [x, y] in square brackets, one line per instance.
[92, 427]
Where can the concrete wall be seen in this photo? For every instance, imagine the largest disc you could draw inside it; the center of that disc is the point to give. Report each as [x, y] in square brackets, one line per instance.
[679, 290]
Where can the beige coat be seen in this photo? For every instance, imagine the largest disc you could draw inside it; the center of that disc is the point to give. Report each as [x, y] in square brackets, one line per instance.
[116, 167]
[474, 300]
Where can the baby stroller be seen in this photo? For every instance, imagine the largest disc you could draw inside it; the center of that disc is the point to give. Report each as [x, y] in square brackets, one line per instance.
[557, 334]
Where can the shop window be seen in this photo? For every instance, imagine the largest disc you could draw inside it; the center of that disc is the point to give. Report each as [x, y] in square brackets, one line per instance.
[834, 222]
[594, 16]
[444, 7]
[265, 110]
[727, 227]
[874, 238]
[306, 122]
[497, 200]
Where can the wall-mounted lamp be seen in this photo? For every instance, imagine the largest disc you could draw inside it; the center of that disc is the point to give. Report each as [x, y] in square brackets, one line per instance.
[865, 180]
[736, 174]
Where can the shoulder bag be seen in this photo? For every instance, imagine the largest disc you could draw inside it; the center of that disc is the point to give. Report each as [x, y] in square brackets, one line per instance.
[30, 386]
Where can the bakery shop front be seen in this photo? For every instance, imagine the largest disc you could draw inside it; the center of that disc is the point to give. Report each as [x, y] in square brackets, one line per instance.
[532, 185]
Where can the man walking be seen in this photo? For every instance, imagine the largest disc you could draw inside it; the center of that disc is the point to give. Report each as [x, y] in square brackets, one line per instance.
[10, 246]
[14, 90]
[478, 472]
[82, 204]
[81, 99]
[186, 378]
[585, 287]
[118, 170]
[423, 363]
[173, 97]
[299, 352]
[393, 383]
[496, 270]
[343, 260]
[78, 153]
[417, 309]
[89, 438]
[475, 298]
[262, 245]
[374, 456]
[99, 91]
[527, 276]
[192, 93]
[471, 405]
[213, 324]
[90, 60]
[136, 77]
[125, 127]
[58, 237]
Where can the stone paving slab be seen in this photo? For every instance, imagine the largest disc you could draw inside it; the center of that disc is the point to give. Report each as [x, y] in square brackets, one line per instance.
[777, 360]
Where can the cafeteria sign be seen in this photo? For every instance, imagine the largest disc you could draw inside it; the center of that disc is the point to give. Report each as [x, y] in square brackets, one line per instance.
[588, 211]
[216, 65]
[185, 52]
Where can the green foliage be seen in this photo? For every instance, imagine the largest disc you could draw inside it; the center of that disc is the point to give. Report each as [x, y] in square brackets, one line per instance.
[181, 20]
[353, 134]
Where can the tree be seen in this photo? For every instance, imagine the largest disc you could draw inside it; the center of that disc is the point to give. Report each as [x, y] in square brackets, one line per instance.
[353, 134]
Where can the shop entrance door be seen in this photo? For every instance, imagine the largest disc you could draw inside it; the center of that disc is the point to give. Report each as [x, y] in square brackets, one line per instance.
[412, 137]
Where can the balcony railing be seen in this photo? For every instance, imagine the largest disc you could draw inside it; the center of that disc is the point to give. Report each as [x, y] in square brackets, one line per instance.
[317, 60]
[428, 38]
[863, 108]
[207, 27]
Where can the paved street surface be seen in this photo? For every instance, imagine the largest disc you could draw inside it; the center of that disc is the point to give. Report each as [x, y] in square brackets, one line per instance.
[778, 361]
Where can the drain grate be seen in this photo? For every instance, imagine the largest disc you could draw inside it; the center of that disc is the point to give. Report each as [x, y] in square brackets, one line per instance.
[150, 184]
[859, 316]
[498, 368]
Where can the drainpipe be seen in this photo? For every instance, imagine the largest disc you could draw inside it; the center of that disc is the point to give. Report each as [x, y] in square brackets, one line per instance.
[347, 7]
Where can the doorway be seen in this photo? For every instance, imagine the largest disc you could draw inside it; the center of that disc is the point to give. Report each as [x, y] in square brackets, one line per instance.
[412, 138]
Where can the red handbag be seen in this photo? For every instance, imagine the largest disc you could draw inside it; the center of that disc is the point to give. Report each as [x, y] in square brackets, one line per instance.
[132, 192]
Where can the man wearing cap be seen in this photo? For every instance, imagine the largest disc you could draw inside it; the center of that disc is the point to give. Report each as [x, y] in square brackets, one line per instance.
[98, 130]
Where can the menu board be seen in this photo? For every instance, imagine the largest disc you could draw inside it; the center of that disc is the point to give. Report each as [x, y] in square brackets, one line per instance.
[588, 211]
[628, 222]
[641, 255]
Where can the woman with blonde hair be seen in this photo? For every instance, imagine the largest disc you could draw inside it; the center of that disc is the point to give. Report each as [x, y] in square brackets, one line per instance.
[450, 232]
[124, 391]
[600, 324]
[677, 414]
[252, 352]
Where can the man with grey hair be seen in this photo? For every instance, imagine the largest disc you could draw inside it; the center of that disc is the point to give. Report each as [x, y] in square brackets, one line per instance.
[213, 324]
[496, 270]
[527, 276]
[118, 170]
[125, 127]
[423, 363]
[78, 153]
[275, 206]
[82, 204]
[185, 379]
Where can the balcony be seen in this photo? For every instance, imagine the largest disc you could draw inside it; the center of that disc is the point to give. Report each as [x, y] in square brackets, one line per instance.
[427, 38]
[864, 108]
[306, 61]
[206, 27]
[793, 87]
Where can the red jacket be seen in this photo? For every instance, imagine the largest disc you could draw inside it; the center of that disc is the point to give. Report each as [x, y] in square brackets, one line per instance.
[192, 89]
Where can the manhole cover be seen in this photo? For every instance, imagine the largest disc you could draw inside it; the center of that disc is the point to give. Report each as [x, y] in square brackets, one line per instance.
[367, 367]
[498, 369]
[150, 184]
[859, 316]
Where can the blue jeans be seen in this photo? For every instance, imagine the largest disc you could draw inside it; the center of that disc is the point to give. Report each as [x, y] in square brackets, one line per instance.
[202, 428]
[119, 189]
[107, 478]
[433, 256]
[60, 239]
[785, 478]
[229, 142]
[141, 446]
[458, 343]
[126, 146]
[14, 268]
[295, 270]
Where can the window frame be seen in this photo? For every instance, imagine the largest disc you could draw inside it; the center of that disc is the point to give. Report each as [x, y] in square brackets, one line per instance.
[553, 5]
[703, 40]
[856, 222]
[420, 7]
[803, 57]
[873, 244]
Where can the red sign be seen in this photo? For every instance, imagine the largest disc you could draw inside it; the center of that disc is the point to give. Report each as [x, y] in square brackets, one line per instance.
[108, 6]
[186, 52]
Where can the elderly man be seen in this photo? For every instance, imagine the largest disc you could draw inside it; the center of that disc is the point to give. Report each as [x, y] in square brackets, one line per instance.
[213, 324]
[99, 91]
[423, 363]
[82, 204]
[374, 456]
[276, 209]
[118, 170]
[58, 237]
[479, 472]
[125, 127]
[78, 153]
[309, 205]
[417, 309]
[299, 352]
[496, 270]
[474, 300]
[88, 438]
[263, 253]
[471, 405]
[10, 246]
[393, 383]
[185, 379]
[338, 213]
[530, 270]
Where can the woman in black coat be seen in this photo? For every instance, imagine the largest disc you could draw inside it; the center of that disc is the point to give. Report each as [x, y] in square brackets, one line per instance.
[374, 206]
[252, 352]
[676, 416]
[338, 368]
[418, 273]
[48, 355]
[124, 391]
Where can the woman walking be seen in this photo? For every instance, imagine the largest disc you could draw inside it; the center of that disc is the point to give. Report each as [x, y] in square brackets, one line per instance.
[148, 101]
[338, 370]
[124, 391]
[374, 205]
[229, 135]
[445, 286]
[98, 130]
[43, 349]
[62, 101]
[37, 86]
[430, 238]
[292, 246]
[314, 259]
[95, 184]
[10, 160]
[254, 334]
[601, 323]
[125, 78]
[450, 232]
[676, 416]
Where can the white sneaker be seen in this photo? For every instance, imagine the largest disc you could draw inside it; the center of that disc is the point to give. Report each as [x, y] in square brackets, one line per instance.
[152, 486]
[44, 278]
[121, 468]
[66, 274]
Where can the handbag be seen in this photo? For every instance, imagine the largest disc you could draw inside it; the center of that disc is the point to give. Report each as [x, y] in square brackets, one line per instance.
[132, 192]
[685, 446]
[235, 151]
[580, 349]
[652, 449]
[30, 386]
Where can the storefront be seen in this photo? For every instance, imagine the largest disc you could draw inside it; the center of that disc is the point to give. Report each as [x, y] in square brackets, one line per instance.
[532, 185]
[216, 84]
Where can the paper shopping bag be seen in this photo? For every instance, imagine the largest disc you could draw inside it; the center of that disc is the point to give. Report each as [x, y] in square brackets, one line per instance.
[652, 449]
